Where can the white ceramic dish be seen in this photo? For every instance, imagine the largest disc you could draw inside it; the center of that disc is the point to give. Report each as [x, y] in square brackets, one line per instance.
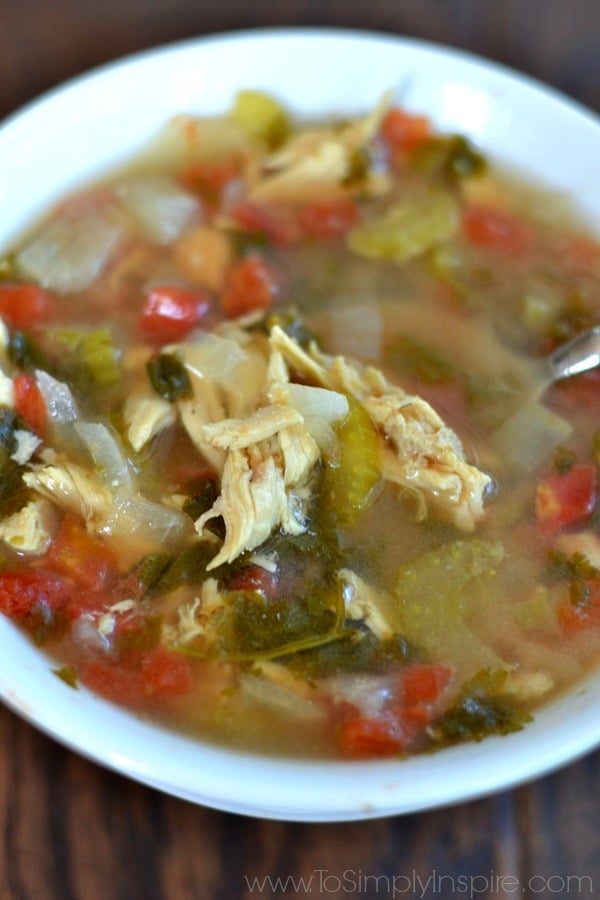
[83, 129]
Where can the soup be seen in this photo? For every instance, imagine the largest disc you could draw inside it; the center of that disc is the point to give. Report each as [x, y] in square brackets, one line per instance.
[280, 464]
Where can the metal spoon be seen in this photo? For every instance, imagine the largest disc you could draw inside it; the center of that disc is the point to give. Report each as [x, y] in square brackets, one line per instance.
[580, 354]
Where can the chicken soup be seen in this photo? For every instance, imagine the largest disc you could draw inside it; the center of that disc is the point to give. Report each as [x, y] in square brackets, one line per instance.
[281, 467]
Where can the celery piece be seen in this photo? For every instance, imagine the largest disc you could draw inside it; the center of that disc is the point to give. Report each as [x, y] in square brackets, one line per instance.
[433, 600]
[454, 157]
[261, 117]
[8, 269]
[537, 612]
[93, 351]
[68, 674]
[407, 229]
[351, 479]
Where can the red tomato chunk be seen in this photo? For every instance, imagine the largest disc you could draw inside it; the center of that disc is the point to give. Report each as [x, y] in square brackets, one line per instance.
[170, 313]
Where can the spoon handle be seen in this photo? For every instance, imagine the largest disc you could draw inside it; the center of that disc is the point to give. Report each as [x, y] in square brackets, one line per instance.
[578, 355]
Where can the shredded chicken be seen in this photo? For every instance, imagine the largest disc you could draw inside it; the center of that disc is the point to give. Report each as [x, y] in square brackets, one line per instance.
[257, 494]
[27, 444]
[528, 686]
[421, 453]
[193, 617]
[319, 162]
[360, 601]
[73, 488]
[146, 416]
[26, 530]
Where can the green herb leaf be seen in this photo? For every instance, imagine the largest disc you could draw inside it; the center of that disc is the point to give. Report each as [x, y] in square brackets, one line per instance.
[169, 377]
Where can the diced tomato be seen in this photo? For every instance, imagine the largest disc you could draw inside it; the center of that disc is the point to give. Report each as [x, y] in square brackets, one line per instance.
[82, 557]
[30, 403]
[575, 618]
[165, 673]
[21, 592]
[211, 179]
[564, 500]
[497, 229]
[255, 578]
[160, 675]
[279, 224]
[424, 683]
[330, 218]
[250, 285]
[364, 738]
[171, 312]
[116, 683]
[25, 305]
[404, 131]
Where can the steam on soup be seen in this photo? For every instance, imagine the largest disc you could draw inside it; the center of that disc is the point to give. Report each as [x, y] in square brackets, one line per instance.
[275, 465]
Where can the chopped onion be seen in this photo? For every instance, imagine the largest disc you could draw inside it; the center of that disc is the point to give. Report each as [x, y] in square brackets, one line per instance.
[60, 403]
[216, 358]
[279, 698]
[320, 408]
[528, 438]
[159, 206]
[69, 253]
[135, 516]
[107, 453]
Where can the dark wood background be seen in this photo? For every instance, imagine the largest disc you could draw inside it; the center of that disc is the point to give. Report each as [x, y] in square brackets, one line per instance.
[70, 830]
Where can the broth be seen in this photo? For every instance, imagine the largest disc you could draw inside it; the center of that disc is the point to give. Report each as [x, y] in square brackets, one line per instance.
[275, 467]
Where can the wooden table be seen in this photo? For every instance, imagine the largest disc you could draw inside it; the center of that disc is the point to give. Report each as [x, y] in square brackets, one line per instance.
[69, 830]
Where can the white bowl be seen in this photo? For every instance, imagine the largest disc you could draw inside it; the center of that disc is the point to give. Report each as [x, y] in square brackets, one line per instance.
[87, 127]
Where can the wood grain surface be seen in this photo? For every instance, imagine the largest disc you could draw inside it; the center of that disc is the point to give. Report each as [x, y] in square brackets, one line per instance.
[70, 830]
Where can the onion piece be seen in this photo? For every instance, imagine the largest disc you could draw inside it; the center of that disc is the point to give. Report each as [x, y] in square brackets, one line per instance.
[134, 516]
[60, 403]
[320, 408]
[528, 438]
[107, 453]
[159, 207]
[69, 253]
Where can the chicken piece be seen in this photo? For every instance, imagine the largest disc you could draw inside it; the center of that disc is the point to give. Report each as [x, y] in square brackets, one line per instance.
[227, 376]
[146, 415]
[360, 601]
[319, 162]
[528, 686]
[265, 423]
[261, 488]
[26, 530]
[27, 444]
[73, 488]
[420, 452]
[193, 617]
